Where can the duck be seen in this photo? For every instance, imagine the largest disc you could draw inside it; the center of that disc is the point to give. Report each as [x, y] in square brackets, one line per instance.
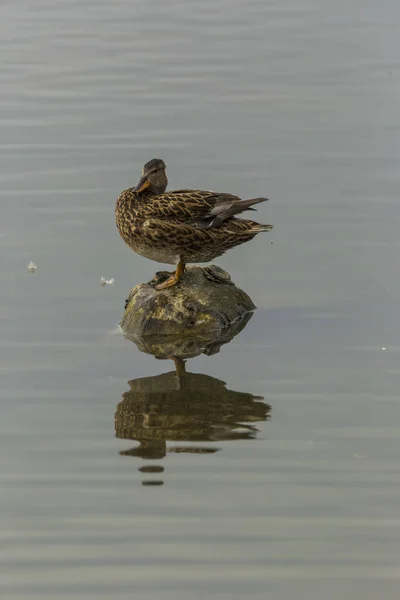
[181, 226]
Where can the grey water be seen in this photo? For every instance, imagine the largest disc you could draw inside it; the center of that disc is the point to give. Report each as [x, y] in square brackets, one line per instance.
[275, 473]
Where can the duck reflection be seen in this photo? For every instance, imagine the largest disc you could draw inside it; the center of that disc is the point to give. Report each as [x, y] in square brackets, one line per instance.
[180, 406]
[178, 411]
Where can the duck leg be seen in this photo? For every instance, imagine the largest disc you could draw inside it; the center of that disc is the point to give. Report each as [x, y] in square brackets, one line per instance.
[175, 277]
[179, 366]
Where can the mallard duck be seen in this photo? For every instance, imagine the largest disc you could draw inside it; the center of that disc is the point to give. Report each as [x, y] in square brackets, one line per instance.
[182, 226]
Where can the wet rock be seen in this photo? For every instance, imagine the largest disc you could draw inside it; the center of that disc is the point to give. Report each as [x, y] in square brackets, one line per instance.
[204, 306]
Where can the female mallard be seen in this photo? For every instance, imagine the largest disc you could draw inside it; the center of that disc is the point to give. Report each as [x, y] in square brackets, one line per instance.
[184, 226]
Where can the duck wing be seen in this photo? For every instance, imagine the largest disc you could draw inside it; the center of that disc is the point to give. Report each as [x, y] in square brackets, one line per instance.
[199, 208]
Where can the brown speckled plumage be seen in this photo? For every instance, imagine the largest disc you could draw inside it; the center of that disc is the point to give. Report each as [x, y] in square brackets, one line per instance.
[182, 226]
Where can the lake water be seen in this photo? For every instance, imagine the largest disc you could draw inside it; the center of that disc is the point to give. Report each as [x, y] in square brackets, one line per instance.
[285, 482]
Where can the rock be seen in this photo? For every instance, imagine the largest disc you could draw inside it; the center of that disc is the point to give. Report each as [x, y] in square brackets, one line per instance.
[204, 308]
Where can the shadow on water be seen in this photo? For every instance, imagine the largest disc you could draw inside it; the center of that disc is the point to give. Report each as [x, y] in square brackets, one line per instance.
[180, 406]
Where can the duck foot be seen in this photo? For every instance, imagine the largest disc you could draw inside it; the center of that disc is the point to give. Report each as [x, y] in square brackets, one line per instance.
[173, 278]
[160, 277]
[170, 282]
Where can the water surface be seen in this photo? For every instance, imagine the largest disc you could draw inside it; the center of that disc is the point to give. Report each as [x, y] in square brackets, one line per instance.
[280, 477]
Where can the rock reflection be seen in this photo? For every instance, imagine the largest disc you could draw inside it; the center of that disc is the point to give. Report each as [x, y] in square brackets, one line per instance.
[180, 406]
[188, 346]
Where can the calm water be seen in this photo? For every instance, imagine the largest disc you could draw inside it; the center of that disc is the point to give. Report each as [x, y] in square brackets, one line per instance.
[275, 472]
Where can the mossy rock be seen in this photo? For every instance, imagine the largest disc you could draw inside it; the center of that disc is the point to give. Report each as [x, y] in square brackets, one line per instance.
[204, 304]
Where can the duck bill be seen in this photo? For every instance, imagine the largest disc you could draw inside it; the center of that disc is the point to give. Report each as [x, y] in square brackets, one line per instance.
[142, 185]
